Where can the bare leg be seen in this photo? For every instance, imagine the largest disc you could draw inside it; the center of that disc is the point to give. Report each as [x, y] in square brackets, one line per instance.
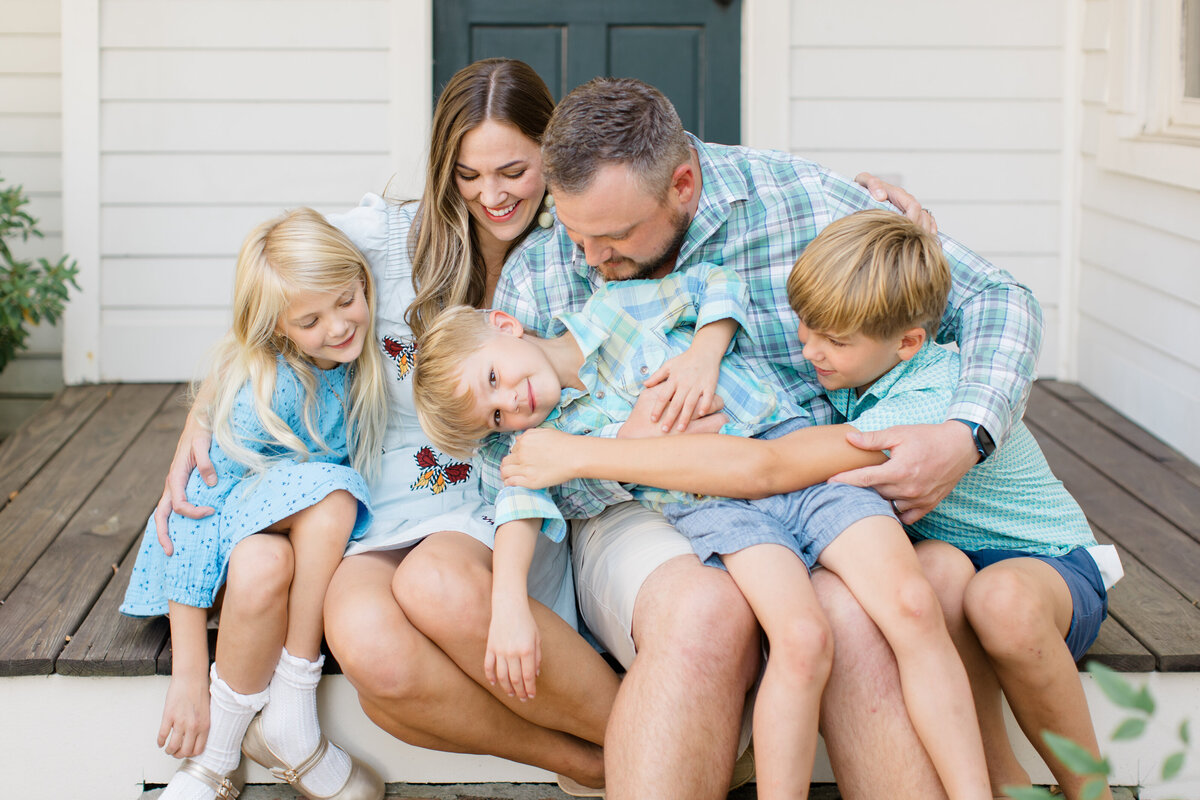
[444, 589]
[775, 583]
[1021, 610]
[254, 612]
[412, 690]
[318, 535]
[872, 745]
[949, 571]
[875, 560]
[674, 728]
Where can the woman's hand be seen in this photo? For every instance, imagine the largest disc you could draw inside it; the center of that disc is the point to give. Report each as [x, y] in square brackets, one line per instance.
[514, 649]
[908, 205]
[191, 453]
[540, 457]
[184, 728]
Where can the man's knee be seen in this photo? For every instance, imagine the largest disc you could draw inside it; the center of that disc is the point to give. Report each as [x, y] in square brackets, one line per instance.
[697, 613]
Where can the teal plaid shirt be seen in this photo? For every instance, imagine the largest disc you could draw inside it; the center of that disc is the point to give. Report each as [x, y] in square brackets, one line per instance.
[626, 331]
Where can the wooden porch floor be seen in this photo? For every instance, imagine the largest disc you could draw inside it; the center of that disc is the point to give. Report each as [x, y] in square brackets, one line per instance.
[79, 479]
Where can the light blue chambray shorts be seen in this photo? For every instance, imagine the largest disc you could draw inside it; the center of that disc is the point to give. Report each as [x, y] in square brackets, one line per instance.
[805, 522]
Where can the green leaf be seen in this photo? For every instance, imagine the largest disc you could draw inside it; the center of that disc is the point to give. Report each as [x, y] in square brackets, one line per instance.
[1074, 757]
[1093, 789]
[1172, 765]
[1129, 729]
[1183, 733]
[1118, 690]
[1028, 793]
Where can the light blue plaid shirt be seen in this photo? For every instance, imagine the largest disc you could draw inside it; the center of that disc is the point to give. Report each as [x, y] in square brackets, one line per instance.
[626, 331]
[758, 211]
[1009, 501]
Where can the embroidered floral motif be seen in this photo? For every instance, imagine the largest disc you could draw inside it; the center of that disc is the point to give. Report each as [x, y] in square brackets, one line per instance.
[404, 353]
[436, 476]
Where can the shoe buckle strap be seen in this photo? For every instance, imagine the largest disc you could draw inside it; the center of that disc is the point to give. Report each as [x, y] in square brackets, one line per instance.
[227, 791]
[293, 774]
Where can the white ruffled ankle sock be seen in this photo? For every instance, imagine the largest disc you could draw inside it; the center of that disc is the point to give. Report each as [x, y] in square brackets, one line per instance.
[291, 727]
[229, 714]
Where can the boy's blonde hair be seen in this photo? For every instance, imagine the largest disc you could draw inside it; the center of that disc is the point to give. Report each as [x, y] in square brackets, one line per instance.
[874, 271]
[297, 252]
[444, 406]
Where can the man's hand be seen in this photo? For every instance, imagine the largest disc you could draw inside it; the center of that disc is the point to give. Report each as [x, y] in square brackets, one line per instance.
[926, 462]
[191, 453]
[640, 424]
[908, 205]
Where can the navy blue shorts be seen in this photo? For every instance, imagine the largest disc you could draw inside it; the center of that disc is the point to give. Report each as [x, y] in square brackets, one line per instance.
[1089, 599]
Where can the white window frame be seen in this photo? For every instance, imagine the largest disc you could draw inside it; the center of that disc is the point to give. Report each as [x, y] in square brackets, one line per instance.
[1149, 128]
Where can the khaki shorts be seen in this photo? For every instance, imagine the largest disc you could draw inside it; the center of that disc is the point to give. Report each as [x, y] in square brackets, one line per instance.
[613, 553]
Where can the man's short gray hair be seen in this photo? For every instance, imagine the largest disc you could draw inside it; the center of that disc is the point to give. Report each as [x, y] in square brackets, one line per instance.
[613, 121]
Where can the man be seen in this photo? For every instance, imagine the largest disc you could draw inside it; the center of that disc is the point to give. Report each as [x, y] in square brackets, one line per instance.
[637, 197]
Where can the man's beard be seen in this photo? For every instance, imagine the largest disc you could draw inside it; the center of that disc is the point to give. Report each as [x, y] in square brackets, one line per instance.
[664, 262]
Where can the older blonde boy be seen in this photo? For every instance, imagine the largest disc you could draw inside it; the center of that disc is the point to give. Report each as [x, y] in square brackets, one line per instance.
[480, 373]
[1027, 583]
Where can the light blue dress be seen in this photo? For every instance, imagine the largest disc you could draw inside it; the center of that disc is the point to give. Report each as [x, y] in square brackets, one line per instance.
[246, 504]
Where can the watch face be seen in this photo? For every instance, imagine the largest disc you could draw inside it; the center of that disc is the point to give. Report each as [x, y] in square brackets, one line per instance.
[984, 439]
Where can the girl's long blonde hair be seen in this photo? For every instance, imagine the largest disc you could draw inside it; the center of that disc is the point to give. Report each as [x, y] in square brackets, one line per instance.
[297, 252]
[447, 267]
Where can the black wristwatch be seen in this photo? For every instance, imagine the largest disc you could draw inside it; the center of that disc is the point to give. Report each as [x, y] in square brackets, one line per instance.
[984, 444]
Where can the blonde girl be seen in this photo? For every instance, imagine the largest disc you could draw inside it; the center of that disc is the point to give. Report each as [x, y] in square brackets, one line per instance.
[295, 393]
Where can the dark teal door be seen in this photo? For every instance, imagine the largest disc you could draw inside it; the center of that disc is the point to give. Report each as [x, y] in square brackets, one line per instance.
[690, 49]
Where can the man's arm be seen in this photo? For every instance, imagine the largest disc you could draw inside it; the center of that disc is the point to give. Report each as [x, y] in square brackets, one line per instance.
[727, 466]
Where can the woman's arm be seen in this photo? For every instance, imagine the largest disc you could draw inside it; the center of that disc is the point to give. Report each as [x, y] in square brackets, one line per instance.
[191, 453]
[727, 466]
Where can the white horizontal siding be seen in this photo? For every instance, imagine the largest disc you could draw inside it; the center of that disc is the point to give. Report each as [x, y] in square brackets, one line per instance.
[31, 157]
[214, 116]
[1139, 294]
[961, 103]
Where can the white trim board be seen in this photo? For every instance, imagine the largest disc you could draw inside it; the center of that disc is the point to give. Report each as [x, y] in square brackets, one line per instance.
[108, 725]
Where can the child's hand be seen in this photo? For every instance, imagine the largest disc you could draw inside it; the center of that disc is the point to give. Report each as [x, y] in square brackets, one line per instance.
[184, 728]
[514, 650]
[687, 385]
[640, 426]
[538, 459]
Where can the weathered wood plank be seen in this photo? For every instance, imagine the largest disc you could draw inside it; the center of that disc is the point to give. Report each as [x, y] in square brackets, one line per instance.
[1161, 618]
[35, 517]
[1126, 517]
[1154, 484]
[1117, 649]
[108, 643]
[56, 594]
[41, 436]
[1095, 409]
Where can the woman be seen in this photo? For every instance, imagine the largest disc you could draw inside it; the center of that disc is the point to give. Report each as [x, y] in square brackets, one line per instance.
[408, 610]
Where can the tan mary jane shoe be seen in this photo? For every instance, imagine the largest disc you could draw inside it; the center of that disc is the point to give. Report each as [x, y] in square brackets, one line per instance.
[363, 782]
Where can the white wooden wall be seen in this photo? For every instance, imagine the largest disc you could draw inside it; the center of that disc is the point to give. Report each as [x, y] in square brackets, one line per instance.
[1139, 284]
[959, 102]
[30, 155]
[214, 115]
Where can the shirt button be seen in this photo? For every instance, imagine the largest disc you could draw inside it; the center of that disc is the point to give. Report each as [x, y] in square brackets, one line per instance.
[600, 394]
[644, 369]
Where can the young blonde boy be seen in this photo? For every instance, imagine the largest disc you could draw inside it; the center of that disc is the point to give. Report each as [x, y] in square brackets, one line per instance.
[1028, 582]
[479, 373]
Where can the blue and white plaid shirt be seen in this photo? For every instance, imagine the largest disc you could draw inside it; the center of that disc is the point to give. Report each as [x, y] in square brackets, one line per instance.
[626, 331]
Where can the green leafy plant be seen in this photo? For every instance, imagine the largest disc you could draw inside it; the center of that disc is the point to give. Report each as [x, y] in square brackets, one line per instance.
[1123, 695]
[29, 291]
